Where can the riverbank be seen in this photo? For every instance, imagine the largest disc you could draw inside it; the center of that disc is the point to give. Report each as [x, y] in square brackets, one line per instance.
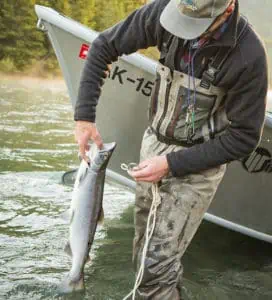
[55, 83]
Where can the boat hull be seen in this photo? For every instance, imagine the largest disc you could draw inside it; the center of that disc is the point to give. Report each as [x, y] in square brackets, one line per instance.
[242, 202]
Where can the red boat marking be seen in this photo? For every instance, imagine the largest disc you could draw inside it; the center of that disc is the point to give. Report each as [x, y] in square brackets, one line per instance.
[84, 51]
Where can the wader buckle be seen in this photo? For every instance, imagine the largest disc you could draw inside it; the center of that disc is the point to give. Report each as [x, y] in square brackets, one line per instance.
[208, 77]
[259, 161]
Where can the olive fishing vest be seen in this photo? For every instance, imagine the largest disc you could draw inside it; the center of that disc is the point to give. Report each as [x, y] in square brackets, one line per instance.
[171, 96]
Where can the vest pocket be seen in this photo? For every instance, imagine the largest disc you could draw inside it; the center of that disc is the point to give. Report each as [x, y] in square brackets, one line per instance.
[169, 104]
[203, 107]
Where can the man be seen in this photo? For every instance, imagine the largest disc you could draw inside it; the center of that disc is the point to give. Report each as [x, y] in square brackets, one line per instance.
[207, 109]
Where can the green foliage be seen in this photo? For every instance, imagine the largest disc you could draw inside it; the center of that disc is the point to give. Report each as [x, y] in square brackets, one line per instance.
[84, 11]
[20, 42]
[7, 65]
[8, 32]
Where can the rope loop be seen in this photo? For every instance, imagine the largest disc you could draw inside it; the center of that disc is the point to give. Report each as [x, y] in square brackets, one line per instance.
[128, 167]
[150, 227]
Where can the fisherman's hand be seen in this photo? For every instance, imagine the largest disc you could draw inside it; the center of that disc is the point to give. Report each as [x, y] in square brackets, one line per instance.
[151, 170]
[85, 131]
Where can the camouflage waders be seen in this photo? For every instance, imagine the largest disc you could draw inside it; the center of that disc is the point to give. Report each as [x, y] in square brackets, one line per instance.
[184, 200]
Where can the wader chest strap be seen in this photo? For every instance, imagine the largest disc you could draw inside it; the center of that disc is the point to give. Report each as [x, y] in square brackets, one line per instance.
[217, 62]
[172, 141]
[165, 49]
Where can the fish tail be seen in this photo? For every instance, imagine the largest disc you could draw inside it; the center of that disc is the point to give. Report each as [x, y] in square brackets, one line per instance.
[68, 250]
[69, 285]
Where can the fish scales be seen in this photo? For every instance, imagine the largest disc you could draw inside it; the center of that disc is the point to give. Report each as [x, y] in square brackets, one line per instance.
[85, 211]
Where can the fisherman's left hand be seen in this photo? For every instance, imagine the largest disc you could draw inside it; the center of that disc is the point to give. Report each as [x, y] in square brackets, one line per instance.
[151, 170]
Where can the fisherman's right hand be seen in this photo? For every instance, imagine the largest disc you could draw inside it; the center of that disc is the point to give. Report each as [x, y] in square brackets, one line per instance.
[85, 131]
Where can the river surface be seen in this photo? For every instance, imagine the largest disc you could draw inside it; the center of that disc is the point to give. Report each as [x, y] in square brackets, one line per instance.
[36, 147]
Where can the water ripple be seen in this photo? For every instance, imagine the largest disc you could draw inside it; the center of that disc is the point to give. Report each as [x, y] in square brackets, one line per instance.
[31, 228]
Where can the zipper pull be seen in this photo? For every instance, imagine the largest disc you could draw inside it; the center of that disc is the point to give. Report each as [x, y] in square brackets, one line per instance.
[187, 119]
[187, 122]
[189, 114]
[190, 123]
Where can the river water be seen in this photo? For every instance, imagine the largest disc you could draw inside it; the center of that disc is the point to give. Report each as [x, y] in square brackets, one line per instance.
[36, 147]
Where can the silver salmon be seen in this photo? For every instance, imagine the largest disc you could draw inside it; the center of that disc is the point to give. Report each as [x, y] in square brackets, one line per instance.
[85, 212]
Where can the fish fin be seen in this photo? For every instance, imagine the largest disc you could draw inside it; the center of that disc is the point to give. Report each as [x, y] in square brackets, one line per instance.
[82, 171]
[72, 216]
[101, 217]
[69, 285]
[66, 216]
[68, 250]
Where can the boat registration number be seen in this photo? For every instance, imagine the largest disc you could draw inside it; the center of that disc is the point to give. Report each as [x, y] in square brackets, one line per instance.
[140, 84]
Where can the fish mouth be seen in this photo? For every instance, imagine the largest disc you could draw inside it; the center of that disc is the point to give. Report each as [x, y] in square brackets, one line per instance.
[108, 147]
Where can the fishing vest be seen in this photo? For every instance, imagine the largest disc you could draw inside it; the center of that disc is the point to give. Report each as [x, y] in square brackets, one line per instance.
[168, 105]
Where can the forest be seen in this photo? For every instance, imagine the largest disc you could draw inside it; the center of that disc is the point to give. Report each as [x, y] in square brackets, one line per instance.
[24, 49]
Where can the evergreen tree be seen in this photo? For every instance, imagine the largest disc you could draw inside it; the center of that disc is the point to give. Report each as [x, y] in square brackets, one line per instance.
[8, 29]
[84, 11]
[66, 7]
[29, 41]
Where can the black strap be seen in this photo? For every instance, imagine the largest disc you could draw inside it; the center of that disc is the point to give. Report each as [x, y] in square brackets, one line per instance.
[259, 161]
[165, 49]
[172, 141]
[222, 55]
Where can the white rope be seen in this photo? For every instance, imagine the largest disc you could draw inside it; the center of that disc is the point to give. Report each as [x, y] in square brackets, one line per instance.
[128, 167]
[148, 232]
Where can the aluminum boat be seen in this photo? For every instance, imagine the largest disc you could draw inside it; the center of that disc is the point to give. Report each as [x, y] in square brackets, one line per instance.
[243, 201]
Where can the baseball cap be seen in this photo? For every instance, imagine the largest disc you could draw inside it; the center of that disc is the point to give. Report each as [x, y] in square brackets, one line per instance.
[188, 19]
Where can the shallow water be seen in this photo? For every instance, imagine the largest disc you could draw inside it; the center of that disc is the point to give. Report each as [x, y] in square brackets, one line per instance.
[37, 145]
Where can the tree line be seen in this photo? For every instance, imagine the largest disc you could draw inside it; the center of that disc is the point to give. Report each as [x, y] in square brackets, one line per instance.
[24, 48]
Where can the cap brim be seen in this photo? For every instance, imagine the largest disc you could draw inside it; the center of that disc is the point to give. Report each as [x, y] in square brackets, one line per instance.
[183, 26]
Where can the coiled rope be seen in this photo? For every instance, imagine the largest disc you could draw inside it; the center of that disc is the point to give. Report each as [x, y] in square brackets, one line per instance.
[150, 226]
